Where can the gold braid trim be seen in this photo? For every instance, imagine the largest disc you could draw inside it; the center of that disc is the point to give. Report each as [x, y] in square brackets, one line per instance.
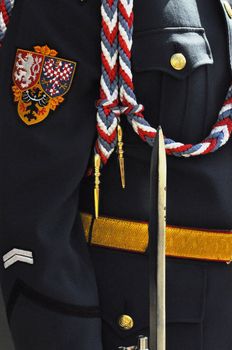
[132, 236]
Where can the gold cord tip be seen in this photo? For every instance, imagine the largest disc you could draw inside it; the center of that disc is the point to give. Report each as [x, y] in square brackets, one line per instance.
[97, 165]
[121, 157]
[96, 202]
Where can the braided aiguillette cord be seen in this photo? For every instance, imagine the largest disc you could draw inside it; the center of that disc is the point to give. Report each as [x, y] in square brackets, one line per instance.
[6, 7]
[117, 95]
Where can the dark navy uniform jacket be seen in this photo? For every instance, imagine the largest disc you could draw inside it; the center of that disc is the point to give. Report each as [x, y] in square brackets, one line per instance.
[72, 295]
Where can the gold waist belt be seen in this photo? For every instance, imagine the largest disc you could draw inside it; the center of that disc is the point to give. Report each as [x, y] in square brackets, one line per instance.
[132, 236]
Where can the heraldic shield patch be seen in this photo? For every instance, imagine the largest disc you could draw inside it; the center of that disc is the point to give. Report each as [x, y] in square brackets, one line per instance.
[40, 81]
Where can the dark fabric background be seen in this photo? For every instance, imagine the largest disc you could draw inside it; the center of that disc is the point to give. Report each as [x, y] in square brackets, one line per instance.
[5, 338]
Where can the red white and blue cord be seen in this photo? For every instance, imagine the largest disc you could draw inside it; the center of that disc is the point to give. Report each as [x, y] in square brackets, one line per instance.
[116, 44]
[6, 7]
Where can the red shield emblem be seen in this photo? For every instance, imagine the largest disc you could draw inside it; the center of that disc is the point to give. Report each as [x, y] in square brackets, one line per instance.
[27, 69]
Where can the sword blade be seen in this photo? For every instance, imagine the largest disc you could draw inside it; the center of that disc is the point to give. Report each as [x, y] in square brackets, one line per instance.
[157, 242]
[161, 253]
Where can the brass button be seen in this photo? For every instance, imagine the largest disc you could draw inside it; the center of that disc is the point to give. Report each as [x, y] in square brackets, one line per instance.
[228, 8]
[126, 322]
[178, 61]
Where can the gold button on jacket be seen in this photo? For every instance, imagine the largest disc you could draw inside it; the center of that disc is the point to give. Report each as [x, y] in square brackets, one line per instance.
[125, 322]
[178, 61]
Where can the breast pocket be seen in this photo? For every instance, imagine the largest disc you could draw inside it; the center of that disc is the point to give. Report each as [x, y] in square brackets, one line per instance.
[170, 68]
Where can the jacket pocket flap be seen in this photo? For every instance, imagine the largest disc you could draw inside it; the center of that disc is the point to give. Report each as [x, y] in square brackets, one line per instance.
[153, 49]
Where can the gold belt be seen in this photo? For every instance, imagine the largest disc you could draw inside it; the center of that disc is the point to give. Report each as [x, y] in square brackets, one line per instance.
[132, 236]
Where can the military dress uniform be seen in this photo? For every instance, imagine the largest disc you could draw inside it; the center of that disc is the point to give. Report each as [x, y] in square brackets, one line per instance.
[70, 280]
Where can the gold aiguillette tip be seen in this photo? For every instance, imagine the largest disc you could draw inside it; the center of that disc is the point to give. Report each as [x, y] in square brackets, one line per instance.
[97, 165]
[121, 157]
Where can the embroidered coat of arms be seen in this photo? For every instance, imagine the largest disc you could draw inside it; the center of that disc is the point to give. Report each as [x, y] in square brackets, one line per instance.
[40, 81]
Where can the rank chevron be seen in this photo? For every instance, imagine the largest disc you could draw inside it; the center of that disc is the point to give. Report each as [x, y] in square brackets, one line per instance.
[16, 255]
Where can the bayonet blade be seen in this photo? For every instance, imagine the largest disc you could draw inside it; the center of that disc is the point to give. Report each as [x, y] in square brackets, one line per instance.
[157, 245]
[161, 254]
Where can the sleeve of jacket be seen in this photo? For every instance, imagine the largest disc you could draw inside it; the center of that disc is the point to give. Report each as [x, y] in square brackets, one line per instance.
[47, 278]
